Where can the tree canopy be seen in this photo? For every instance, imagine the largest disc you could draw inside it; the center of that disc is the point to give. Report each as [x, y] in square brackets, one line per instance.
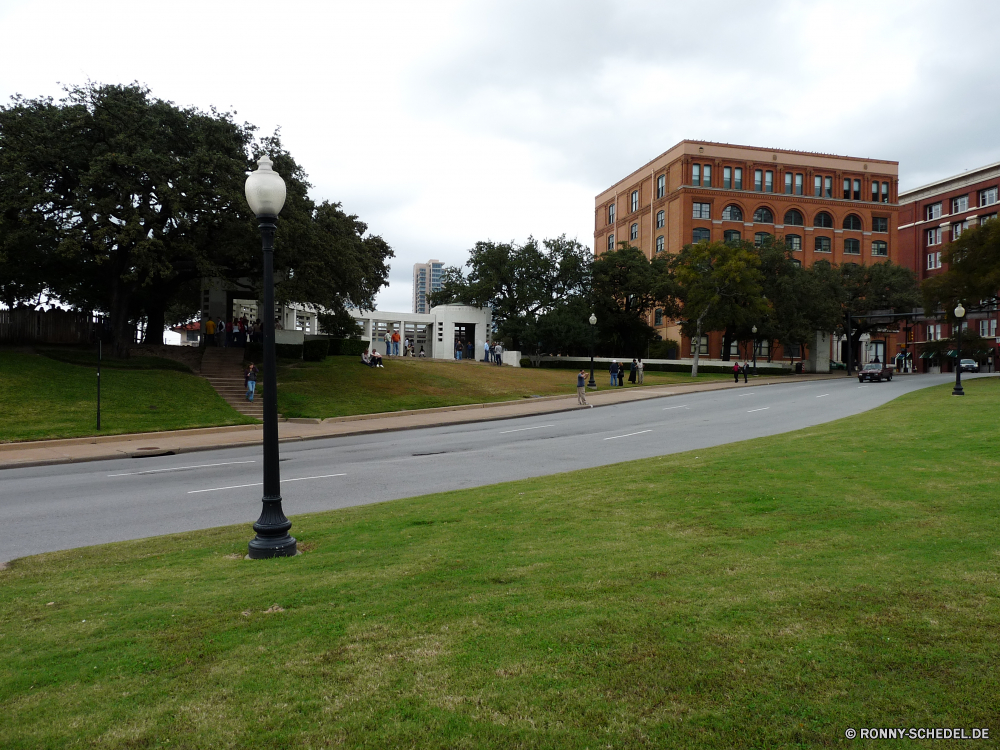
[973, 275]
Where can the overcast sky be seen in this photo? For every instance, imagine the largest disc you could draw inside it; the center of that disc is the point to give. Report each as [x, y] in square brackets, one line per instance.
[444, 123]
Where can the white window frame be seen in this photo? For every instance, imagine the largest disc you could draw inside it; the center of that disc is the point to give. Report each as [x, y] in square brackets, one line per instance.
[660, 219]
[633, 231]
[701, 210]
[661, 186]
[933, 261]
[611, 214]
[932, 211]
[611, 241]
[988, 196]
[703, 349]
[960, 204]
[635, 200]
[957, 229]
[933, 236]
[660, 246]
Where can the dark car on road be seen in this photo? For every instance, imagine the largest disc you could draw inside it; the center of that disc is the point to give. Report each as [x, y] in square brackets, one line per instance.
[874, 372]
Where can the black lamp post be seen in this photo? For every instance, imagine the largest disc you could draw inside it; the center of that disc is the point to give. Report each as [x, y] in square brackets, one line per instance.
[265, 191]
[754, 332]
[593, 324]
[957, 390]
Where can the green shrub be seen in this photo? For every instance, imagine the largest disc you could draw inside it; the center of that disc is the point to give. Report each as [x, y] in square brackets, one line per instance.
[288, 351]
[254, 352]
[666, 349]
[348, 347]
[315, 350]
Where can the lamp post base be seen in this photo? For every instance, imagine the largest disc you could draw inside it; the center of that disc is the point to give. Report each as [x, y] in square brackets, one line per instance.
[272, 538]
[957, 391]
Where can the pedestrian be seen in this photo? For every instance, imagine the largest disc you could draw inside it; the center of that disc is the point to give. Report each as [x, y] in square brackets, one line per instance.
[388, 343]
[499, 353]
[632, 371]
[406, 347]
[209, 332]
[486, 351]
[614, 372]
[746, 369]
[251, 380]
[458, 349]
[395, 343]
[581, 389]
[621, 374]
[220, 332]
[640, 368]
[736, 372]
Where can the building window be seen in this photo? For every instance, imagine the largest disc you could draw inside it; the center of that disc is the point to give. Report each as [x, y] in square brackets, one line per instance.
[957, 229]
[988, 328]
[701, 210]
[822, 245]
[732, 212]
[661, 186]
[696, 174]
[791, 350]
[827, 187]
[738, 178]
[988, 197]
[933, 261]
[758, 180]
[706, 174]
[885, 192]
[880, 224]
[788, 183]
[760, 238]
[659, 244]
[797, 262]
[793, 242]
[633, 231]
[823, 219]
[769, 181]
[660, 219]
[984, 219]
[857, 190]
[934, 332]
[658, 317]
[763, 216]
[701, 235]
[933, 211]
[880, 248]
[635, 200]
[611, 214]
[731, 235]
[798, 183]
[794, 218]
[852, 246]
[727, 178]
[817, 186]
[934, 236]
[703, 349]
[847, 189]
[960, 204]
[853, 222]
[611, 242]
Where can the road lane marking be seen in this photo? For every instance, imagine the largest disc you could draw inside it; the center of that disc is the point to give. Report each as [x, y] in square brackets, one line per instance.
[667, 408]
[825, 394]
[522, 429]
[258, 484]
[760, 409]
[178, 468]
[629, 435]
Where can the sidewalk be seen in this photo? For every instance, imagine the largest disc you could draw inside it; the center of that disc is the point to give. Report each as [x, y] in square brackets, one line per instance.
[97, 448]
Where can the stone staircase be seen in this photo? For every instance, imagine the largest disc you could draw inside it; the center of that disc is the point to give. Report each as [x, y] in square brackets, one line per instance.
[223, 368]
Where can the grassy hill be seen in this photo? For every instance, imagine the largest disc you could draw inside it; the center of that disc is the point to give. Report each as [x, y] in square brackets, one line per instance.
[771, 593]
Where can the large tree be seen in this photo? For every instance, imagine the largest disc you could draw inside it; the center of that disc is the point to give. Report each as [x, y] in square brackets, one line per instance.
[884, 286]
[973, 275]
[520, 282]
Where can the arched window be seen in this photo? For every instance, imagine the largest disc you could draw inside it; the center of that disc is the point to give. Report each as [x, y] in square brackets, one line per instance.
[611, 242]
[852, 221]
[660, 219]
[763, 216]
[822, 245]
[760, 238]
[793, 242]
[880, 248]
[793, 218]
[823, 219]
[852, 246]
[633, 231]
[732, 213]
[731, 235]
[702, 235]
[659, 244]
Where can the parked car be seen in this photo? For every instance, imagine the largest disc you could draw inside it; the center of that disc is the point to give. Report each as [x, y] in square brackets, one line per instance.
[875, 372]
[968, 365]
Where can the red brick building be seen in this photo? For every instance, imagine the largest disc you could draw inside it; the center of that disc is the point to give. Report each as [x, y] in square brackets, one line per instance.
[932, 216]
[835, 208]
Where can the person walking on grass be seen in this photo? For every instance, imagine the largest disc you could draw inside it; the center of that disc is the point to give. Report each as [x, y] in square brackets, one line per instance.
[639, 369]
[614, 372]
[736, 372]
[581, 389]
[251, 380]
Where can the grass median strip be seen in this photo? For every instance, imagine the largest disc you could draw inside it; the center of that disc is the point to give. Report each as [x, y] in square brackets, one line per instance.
[770, 593]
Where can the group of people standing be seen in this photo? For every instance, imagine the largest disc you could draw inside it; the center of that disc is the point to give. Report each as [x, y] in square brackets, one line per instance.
[235, 332]
[392, 342]
[738, 370]
[493, 353]
[635, 371]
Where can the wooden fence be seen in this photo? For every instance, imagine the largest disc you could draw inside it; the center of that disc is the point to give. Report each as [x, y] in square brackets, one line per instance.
[26, 326]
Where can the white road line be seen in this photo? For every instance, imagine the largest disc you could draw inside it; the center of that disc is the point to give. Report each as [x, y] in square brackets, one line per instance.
[178, 468]
[629, 435]
[825, 394]
[522, 429]
[763, 408]
[258, 484]
[747, 394]
[668, 408]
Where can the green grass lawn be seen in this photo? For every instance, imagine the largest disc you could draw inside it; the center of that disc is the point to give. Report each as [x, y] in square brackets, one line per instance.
[341, 386]
[44, 398]
[766, 594]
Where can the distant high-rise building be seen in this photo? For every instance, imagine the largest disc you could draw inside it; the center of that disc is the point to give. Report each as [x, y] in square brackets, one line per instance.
[426, 279]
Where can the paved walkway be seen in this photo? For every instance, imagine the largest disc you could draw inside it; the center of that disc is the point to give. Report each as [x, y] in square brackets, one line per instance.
[46, 452]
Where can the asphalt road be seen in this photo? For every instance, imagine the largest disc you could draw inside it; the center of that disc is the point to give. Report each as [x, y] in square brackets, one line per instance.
[73, 505]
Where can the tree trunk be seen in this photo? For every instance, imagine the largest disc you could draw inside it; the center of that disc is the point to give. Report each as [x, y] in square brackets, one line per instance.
[697, 344]
[727, 341]
[154, 325]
